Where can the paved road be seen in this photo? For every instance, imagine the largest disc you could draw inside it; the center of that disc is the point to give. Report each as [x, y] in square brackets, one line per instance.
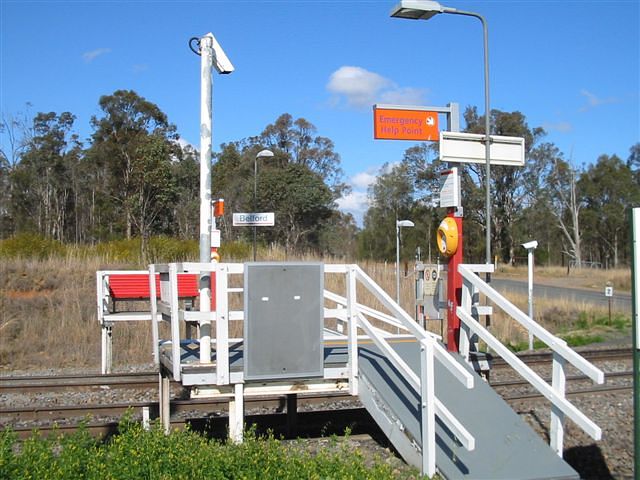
[620, 301]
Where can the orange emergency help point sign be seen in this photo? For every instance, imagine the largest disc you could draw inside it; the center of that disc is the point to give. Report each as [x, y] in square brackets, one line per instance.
[393, 124]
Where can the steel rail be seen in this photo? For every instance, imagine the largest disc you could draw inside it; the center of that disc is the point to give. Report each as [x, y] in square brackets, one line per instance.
[531, 358]
[572, 378]
[321, 422]
[208, 405]
[78, 381]
[63, 412]
[107, 428]
[149, 380]
[573, 393]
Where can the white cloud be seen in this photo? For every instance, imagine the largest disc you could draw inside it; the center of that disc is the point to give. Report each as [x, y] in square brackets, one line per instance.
[354, 201]
[91, 55]
[563, 127]
[357, 202]
[403, 96]
[361, 88]
[362, 180]
[184, 143]
[594, 101]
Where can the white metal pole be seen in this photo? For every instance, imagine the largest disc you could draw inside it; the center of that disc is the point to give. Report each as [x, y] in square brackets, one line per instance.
[530, 291]
[206, 128]
[397, 263]
[255, 202]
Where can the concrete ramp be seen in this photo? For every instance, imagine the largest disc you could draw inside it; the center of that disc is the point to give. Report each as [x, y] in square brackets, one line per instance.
[506, 447]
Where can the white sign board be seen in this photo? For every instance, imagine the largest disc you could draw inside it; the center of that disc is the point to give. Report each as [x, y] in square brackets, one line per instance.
[265, 219]
[458, 147]
[450, 188]
[608, 291]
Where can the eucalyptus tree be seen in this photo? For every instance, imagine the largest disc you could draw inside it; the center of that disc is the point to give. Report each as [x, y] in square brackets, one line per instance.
[300, 183]
[633, 162]
[42, 182]
[296, 141]
[131, 136]
[608, 191]
[553, 194]
[507, 183]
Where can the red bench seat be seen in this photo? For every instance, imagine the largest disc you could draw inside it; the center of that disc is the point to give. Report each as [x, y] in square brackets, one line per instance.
[127, 286]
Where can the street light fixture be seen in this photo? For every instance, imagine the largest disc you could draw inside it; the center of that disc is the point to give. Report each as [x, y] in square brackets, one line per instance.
[399, 225]
[424, 10]
[261, 154]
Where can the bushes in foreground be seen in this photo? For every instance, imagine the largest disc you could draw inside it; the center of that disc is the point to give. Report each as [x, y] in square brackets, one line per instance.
[139, 454]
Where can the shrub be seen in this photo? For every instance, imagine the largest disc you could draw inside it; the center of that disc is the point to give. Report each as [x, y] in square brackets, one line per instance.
[235, 251]
[31, 246]
[138, 454]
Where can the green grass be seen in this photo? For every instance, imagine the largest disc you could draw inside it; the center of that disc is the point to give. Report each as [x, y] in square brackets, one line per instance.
[138, 454]
[586, 329]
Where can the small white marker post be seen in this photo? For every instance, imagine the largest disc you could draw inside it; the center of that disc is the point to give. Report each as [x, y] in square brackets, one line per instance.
[530, 246]
[608, 292]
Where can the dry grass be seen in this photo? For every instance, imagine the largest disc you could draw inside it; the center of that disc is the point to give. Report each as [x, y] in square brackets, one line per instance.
[591, 278]
[48, 312]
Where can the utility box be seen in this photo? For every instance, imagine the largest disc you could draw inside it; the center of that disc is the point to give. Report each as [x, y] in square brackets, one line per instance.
[283, 320]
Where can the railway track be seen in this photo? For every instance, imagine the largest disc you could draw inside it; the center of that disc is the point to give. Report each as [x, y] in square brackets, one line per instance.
[138, 380]
[105, 415]
[198, 413]
[149, 380]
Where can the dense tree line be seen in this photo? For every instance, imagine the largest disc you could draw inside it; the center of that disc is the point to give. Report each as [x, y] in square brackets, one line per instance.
[133, 177]
[579, 215]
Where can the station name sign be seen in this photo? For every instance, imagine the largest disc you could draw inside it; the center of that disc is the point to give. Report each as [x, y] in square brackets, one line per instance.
[405, 124]
[265, 219]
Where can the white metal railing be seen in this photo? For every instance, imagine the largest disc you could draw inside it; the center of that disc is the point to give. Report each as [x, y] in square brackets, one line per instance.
[357, 317]
[107, 318]
[562, 354]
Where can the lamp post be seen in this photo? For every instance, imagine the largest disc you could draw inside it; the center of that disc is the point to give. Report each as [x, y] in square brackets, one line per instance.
[261, 154]
[399, 225]
[424, 10]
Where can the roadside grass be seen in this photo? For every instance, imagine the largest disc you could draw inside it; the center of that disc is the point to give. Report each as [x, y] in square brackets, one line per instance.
[578, 324]
[135, 453]
[592, 278]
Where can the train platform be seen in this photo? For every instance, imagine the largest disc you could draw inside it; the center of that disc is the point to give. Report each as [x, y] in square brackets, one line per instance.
[299, 337]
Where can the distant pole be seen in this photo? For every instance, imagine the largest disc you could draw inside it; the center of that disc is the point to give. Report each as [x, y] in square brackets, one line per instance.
[398, 263]
[530, 246]
[635, 315]
[255, 205]
[399, 225]
[261, 154]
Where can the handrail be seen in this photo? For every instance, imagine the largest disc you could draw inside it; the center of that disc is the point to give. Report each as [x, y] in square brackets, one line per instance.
[562, 353]
[556, 344]
[364, 309]
[356, 316]
[441, 354]
[465, 437]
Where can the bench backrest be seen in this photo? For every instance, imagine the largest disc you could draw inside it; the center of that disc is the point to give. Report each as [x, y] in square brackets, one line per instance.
[129, 286]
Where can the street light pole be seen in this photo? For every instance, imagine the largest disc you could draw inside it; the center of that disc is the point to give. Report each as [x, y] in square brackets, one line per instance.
[424, 10]
[399, 225]
[261, 154]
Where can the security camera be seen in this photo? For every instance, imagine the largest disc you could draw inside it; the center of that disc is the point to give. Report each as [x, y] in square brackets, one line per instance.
[220, 60]
[530, 245]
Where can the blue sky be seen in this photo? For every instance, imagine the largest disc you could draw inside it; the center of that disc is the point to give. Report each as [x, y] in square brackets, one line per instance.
[571, 67]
